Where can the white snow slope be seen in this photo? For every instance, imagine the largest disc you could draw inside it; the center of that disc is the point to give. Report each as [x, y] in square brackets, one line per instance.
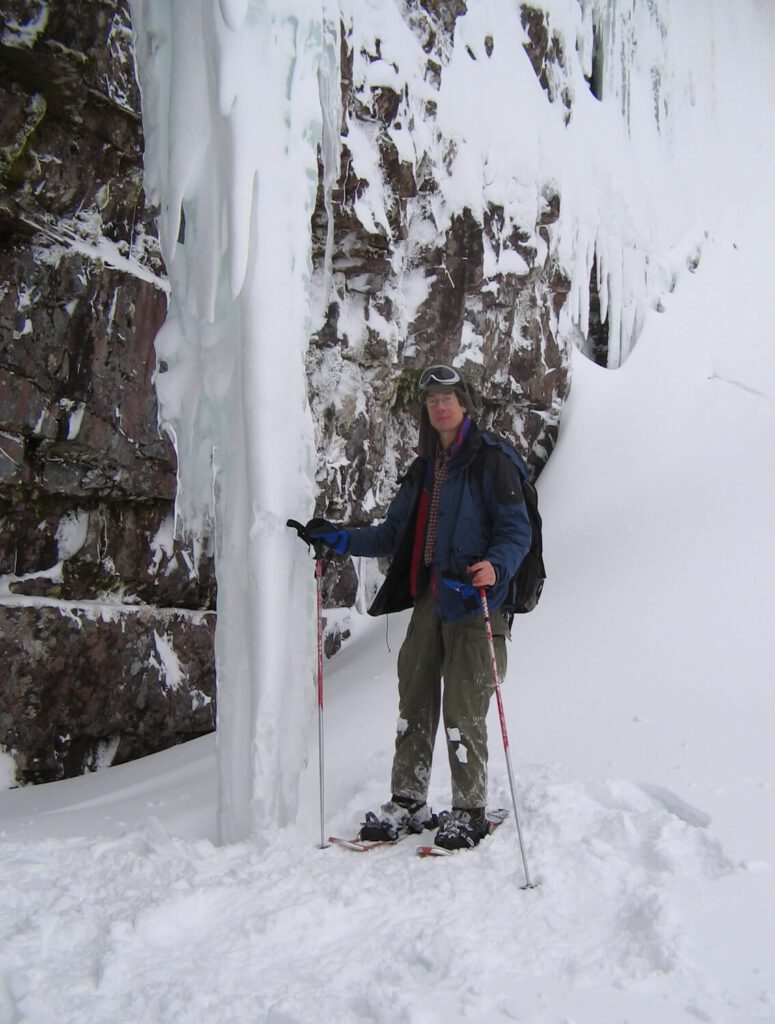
[640, 707]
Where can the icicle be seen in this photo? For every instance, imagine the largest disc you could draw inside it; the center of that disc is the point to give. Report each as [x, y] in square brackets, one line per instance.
[329, 80]
[601, 263]
[614, 287]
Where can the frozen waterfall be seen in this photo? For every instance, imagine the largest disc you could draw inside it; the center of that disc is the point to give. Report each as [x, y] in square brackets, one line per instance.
[232, 116]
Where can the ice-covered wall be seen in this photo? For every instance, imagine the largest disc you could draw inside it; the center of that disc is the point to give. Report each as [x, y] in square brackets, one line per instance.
[232, 116]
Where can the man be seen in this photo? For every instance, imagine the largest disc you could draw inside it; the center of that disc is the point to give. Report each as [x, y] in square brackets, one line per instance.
[457, 524]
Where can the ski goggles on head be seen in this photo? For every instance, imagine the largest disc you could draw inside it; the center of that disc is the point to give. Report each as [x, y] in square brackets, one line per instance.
[438, 376]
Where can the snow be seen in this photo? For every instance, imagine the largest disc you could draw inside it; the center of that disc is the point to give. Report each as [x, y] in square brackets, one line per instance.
[639, 703]
[25, 34]
[162, 544]
[168, 664]
[83, 234]
[71, 534]
[74, 421]
[7, 770]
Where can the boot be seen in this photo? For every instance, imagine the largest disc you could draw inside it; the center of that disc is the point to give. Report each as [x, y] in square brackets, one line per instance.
[397, 817]
[461, 829]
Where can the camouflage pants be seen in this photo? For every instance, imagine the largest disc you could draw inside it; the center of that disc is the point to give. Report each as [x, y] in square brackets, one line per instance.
[458, 653]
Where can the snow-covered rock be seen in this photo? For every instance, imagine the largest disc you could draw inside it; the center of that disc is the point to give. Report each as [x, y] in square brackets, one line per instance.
[87, 484]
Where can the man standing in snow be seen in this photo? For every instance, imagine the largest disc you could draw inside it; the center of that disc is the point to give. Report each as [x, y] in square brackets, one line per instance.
[457, 524]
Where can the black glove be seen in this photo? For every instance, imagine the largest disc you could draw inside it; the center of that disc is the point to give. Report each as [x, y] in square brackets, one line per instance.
[321, 529]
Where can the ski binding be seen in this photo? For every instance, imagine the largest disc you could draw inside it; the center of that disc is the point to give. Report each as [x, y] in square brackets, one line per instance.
[494, 819]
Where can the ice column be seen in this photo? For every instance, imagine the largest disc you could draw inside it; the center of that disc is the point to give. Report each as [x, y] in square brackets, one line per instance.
[231, 95]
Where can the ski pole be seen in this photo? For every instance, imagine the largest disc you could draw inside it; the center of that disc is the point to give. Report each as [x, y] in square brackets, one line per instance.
[321, 759]
[317, 547]
[496, 679]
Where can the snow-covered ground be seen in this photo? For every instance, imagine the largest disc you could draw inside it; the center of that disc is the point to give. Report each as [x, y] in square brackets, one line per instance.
[640, 707]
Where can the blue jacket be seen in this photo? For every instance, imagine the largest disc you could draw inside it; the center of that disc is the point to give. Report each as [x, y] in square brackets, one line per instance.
[482, 516]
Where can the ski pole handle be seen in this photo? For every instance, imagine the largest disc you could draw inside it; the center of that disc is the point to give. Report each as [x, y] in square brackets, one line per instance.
[315, 543]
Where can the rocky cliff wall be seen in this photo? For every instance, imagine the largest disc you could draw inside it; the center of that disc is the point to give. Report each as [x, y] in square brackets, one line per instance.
[105, 621]
[407, 287]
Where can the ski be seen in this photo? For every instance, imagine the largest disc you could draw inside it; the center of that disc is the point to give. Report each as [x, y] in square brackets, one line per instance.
[362, 845]
[358, 845]
[494, 819]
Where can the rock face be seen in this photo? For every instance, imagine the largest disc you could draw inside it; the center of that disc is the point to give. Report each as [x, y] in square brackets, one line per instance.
[106, 622]
[89, 572]
[499, 326]
[100, 686]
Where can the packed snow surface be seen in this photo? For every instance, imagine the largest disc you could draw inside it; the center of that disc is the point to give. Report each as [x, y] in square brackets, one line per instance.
[640, 706]
[639, 702]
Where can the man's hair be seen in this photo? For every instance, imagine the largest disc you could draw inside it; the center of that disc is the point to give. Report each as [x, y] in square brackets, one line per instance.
[428, 438]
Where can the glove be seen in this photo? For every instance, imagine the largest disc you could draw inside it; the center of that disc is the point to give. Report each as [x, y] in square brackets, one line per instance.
[321, 529]
[468, 592]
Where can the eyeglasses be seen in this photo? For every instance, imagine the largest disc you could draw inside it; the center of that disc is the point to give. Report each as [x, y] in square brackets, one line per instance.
[441, 401]
[443, 375]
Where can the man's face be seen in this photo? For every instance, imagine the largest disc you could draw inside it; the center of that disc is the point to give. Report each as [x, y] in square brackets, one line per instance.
[445, 412]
